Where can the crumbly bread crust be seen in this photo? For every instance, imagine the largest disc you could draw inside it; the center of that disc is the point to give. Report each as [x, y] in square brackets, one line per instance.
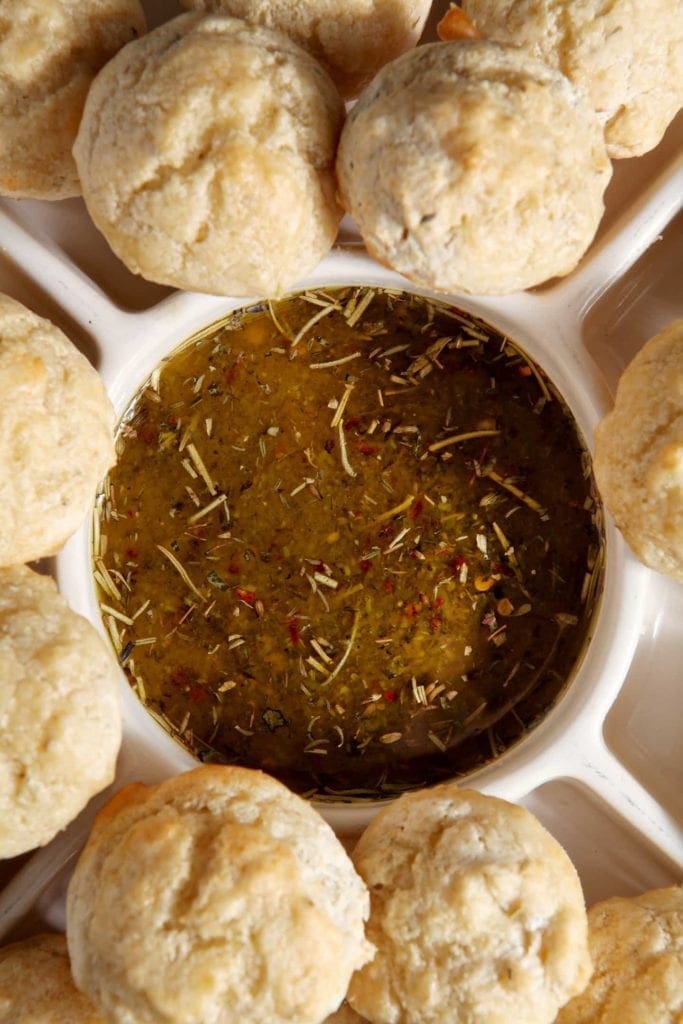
[36, 986]
[50, 51]
[217, 896]
[639, 453]
[626, 56]
[471, 167]
[476, 912]
[56, 435]
[352, 38]
[206, 155]
[60, 722]
[637, 949]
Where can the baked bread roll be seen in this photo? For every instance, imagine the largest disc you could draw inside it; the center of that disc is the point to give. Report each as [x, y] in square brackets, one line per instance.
[50, 51]
[60, 723]
[637, 950]
[206, 156]
[639, 453]
[476, 912]
[217, 896]
[471, 167]
[36, 986]
[352, 38]
[626, 57]
[56, 435]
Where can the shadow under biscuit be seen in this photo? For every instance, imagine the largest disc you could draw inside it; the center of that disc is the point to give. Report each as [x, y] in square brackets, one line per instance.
[18, 285]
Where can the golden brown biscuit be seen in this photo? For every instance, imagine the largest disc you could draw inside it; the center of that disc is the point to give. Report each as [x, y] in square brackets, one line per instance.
[56, 435]
[639, 453]
[36, 986]
[625, 56]
[60, 723]
[206, 156]
[215, 896]
[50, 51]
[476, 912]
[471, 167]
[637, 949]
[353, 38]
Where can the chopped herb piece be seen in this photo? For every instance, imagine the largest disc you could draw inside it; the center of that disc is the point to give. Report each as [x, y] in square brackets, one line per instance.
[215, 580]
[274, 719]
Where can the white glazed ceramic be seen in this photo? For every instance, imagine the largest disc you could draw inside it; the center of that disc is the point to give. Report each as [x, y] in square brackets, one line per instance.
[604, 770]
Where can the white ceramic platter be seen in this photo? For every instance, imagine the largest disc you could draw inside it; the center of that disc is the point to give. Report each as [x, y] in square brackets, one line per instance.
[604, 771]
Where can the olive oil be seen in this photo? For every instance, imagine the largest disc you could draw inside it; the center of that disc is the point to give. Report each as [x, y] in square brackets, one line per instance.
[352, 538]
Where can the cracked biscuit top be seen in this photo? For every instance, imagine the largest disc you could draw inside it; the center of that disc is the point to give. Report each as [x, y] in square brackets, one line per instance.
[637, 950]
[639, 453]
[476, 912]
[472, 167]
[50, 51]
[206, 156]
[626, 57]
[215, 896]
[352, 38]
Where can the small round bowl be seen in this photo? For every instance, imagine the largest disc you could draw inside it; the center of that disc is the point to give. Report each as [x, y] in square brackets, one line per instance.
[548, 329]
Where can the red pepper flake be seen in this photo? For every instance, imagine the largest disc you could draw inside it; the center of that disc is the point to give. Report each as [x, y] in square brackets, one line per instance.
[501, 569]
[181, 677]
[232, 374]
[294, 634]
[417, 508]
[412, 610]
[438, 602]
[353, 422]
[435, 623]
[248, 596]
[388, 586]
[131, 553]
[173, 421]
[197, 693]
[524, 371]
[234, 569]
[457, 562]
[365, 565]
[390, 696]
[364, 449]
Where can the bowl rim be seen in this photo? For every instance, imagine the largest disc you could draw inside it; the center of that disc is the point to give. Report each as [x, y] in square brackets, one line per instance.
[532, 321]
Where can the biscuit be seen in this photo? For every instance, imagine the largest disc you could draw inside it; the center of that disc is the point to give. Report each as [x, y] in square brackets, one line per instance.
[471, 167]
[352, 38]
[626, 57]
[36, 986]
[60, 722]
[206, 156]
[639, 453]
[216, 896]
[476, 912]
[50, 51]
[56, 435]
[637, 949]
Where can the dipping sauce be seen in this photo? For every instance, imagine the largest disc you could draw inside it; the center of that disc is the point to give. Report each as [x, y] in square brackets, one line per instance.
[352, 538]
